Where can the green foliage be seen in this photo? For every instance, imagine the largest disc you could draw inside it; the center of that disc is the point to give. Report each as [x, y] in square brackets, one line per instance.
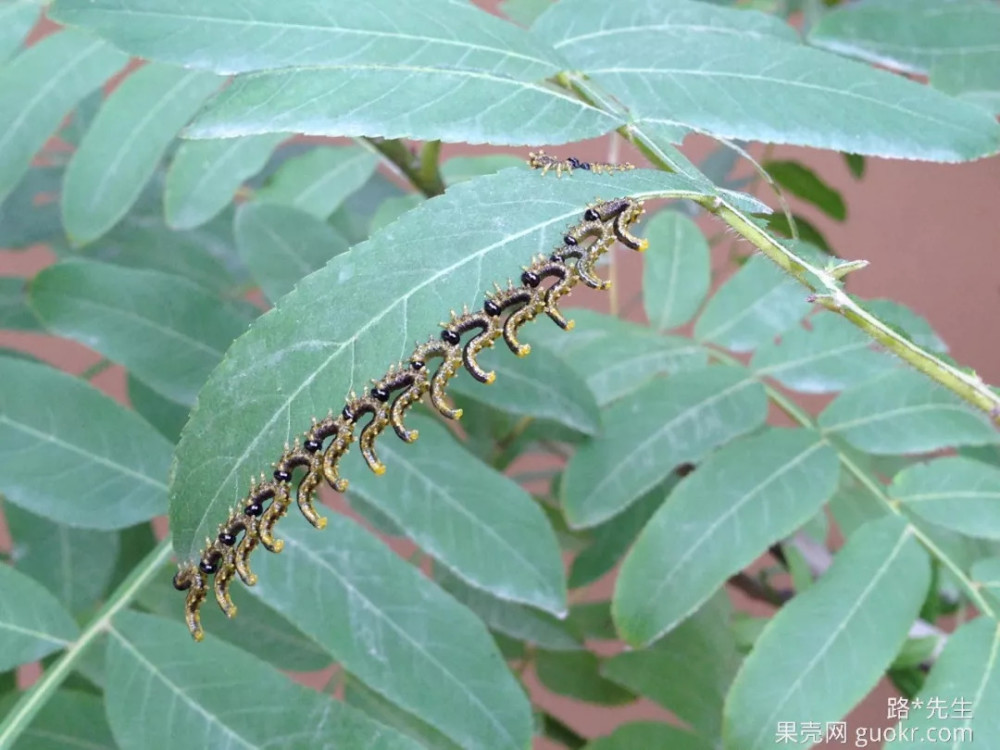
[179, 202]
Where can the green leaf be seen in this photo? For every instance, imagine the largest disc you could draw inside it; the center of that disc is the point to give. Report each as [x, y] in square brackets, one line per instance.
[32, 621]
[125, 143]
[754, 305]
[856, 164]
[648, 734]
[14, 311]
[576, 674]
[482, 106]
[974, 78]
[67, 719]
[904, 412]
[205, 175]
[613, 538]
[513, 620]
[76, 565]
[17, 18]
[841, 633]
[727, 72]
[205, 255]
[745, 497]
[378, 708]
[38, 88]
[30, 214]
[392, 208]
[152, 662]
[829, 356]
[688, 672]
[615, 356]
[481, 525]
[384, 622]
[955, 492]
[653, 430]
[915, 38]
[541, 386]
[282, 245]
[54, 427]
[168, 417]
[592, 621]
[259, 629]
[964, 686]
[167, 331]
[354, 218]
[318, 181]
[678, 273]
[801, 181]
[493, 225]
[261, 35]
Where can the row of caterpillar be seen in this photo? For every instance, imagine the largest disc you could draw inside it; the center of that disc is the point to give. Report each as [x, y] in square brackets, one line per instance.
[543, 161]
[504, 311]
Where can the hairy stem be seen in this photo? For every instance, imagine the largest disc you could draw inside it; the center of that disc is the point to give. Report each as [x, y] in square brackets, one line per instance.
[34, 698]
[826, 282]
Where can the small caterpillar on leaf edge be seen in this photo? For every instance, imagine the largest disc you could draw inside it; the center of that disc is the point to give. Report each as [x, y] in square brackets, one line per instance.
[543, 161]
[251, 522]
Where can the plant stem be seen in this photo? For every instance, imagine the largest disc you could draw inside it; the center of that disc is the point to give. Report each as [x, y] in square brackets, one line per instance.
[827, 281]
[834, 298]
[35, 697]
[422, 171]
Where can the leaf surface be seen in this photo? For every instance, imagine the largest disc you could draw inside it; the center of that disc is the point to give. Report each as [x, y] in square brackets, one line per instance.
[195, 695]
[481, 525]
[55, 428]
[841, 633]
[650, 432]
[677, 276]
[281, 245]
[205, 175]
[32, 621]
[396, 631]
[904, 412]
[38, 88]
[731, 73]
[125, 143]
[167, 331]
[955, 492]
[745, 497]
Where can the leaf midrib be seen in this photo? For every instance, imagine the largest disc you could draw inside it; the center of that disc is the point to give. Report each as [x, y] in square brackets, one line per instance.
[768, 725]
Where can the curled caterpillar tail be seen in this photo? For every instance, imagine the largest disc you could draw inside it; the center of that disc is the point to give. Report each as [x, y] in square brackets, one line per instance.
[543, 161]
[316, 459]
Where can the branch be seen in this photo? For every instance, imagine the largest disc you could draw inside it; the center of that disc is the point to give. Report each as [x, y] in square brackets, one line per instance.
[826, 285]
[422, 171]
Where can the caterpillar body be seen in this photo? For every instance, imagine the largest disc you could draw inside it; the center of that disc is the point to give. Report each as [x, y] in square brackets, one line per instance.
[543, 161]
[542, 284]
